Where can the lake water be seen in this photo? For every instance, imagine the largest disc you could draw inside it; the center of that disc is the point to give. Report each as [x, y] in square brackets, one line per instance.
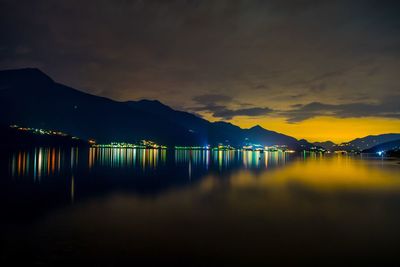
[197, 208]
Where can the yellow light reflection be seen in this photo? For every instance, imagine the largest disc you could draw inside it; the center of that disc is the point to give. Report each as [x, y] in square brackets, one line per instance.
[326, 173]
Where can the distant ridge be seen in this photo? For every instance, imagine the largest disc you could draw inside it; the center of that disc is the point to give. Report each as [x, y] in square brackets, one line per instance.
[387, 146]
[363, 143]
[31, 98]
[329, 145]
[360, 144]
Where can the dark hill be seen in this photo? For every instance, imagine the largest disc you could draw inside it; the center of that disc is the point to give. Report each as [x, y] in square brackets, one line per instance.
[12, 137]
[388, 146]
[329, 145]
[360, 144]
[28, 97]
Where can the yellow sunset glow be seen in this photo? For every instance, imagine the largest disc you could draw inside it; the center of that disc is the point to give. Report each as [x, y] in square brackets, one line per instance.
[322, 128]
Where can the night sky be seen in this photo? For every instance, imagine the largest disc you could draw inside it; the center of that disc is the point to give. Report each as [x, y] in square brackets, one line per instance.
[311, 69]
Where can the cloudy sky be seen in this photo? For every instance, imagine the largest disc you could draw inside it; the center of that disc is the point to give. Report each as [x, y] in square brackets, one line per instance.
[312, 69]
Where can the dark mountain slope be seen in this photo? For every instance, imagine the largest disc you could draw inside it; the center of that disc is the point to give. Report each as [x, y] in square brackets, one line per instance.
[190, 122]
[221, 132]
[28, 97]
[360, 144]
[329, 145]
[387, 146]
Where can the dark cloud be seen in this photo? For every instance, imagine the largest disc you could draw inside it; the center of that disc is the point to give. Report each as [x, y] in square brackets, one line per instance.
[211, 102]
[228, 114]
[212, 99]
[217, 105]
[261, 87]
[316, 88]
[388, 108]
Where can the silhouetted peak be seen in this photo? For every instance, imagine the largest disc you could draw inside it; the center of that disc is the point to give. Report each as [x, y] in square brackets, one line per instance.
[223, 123]
[257, 127]
[152, 102]
[26, 75]
[386, 135]
[324, 142]
[149, 105]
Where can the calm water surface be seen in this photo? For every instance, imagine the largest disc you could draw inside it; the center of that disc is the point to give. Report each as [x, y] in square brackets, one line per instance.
[197, 208]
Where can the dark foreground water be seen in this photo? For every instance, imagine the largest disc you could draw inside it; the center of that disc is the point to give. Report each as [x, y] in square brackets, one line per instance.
[200, 208]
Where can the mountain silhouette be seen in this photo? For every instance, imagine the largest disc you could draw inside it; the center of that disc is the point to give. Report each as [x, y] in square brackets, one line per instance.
[364, 143]
[28, 97]
[387, 146]
[329, 145]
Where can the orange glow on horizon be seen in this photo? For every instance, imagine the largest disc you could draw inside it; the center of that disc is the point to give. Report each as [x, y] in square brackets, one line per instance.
[337, 130]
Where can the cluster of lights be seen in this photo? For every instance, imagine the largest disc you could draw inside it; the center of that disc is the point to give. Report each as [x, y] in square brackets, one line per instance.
[253, 147]
[274, 148]
[40, 131]
[207, 147]
[356, 148]
[244, 148]
[317, 149]
[142, 144]
[224, 147]
[150, 144]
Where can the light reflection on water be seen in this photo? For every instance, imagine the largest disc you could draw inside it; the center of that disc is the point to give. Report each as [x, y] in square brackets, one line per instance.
[126, 158]
[199, 207]
[314, 169]
[41, 162]
[245, 168]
